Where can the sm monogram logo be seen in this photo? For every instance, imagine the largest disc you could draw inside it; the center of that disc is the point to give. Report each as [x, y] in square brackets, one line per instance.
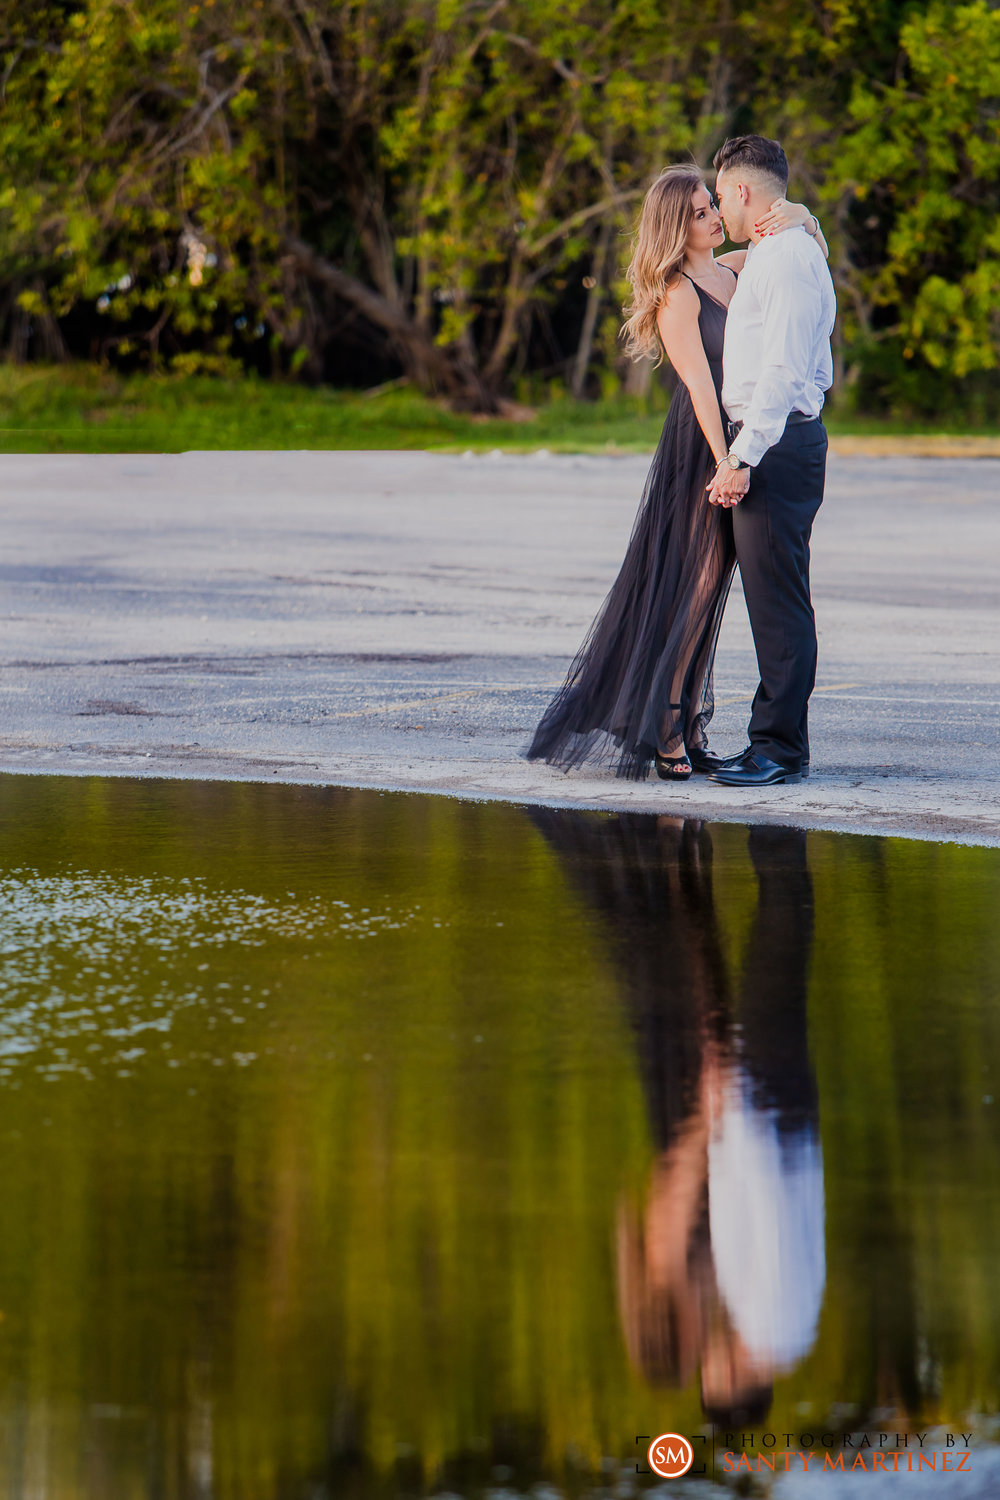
[670, 1455]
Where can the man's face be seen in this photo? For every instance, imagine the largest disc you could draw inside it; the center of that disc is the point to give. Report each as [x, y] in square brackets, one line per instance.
[733, 211]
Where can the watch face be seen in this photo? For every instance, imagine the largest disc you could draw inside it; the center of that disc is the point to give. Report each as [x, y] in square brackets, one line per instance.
[734, 462]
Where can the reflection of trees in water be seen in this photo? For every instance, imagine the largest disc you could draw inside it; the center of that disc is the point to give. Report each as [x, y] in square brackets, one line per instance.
[380, 1249]
[301, 1266]
[723, 1267]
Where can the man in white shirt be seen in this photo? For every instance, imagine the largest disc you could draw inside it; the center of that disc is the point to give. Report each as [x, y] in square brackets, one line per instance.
[777, 366]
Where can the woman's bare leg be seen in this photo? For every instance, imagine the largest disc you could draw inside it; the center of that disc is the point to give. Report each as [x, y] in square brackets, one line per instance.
[702, 605]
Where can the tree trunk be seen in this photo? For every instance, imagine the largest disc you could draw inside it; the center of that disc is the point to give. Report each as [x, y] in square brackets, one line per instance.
[513, 303]
[638, 377]
[595, 296]
[435, 370]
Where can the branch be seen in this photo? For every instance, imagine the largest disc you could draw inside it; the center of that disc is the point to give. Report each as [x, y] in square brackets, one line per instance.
[172, 147]
[553, 62]
[306, 18]
[582, 216]
[485, 30]
[379, 310]
[449, 372]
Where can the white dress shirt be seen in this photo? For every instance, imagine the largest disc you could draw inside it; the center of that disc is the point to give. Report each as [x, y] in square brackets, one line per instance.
[768, 1227]
[777, 357]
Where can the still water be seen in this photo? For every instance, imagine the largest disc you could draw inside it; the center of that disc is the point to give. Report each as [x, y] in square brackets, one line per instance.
[360, 1145]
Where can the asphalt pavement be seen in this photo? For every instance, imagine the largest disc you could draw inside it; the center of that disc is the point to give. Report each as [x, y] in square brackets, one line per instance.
[400, 620]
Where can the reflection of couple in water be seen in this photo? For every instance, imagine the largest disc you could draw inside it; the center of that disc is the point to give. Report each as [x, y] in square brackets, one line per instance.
[724, 1268]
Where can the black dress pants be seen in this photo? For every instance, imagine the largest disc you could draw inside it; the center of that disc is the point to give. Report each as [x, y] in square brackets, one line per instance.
[773, 1011]
[772, 527]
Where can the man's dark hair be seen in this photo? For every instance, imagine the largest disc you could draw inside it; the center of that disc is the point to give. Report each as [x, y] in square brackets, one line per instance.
[753, 153]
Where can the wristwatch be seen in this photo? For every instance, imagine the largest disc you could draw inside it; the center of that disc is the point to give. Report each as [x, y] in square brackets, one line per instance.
[735, 462]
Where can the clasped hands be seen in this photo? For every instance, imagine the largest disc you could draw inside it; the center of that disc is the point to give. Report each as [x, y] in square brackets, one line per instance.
[728, 486]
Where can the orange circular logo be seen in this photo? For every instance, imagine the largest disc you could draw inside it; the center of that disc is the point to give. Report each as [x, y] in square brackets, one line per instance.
[670, 1455]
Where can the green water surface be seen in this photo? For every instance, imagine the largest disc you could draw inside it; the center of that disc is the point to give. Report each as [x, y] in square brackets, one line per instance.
[352, 1144]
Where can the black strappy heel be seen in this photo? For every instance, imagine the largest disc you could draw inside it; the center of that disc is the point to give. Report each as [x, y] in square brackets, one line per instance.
[667, 765]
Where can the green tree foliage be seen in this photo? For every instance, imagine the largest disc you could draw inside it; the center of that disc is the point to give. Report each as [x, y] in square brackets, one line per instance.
[446, 185]
[922, 162]
[140, 181]
[477, 148]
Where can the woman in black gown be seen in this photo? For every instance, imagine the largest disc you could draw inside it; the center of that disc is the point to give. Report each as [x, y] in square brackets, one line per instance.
[640, 689]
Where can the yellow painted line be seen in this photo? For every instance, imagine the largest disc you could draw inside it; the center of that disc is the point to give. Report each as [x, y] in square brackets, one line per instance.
[399, 708]
[831, 687]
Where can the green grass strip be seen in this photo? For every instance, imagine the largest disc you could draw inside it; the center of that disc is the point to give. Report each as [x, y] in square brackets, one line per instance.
[88, 409]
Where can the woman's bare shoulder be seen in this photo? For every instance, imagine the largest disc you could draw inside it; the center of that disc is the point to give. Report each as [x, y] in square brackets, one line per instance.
[733, 261]
[680, 300]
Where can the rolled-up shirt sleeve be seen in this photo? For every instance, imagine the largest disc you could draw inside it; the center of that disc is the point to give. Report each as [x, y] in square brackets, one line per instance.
[788, 306]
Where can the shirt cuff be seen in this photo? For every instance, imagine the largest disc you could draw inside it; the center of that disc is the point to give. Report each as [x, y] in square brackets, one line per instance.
[747, 445]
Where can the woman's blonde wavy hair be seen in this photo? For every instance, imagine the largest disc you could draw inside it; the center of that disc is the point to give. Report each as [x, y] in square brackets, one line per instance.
[657, 256]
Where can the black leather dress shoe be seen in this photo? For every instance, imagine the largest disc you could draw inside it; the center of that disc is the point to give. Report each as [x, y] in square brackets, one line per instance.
[757, 770]
[706, 761]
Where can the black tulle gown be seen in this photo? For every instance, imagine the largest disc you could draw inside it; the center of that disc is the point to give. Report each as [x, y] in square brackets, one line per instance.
[642, 679]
